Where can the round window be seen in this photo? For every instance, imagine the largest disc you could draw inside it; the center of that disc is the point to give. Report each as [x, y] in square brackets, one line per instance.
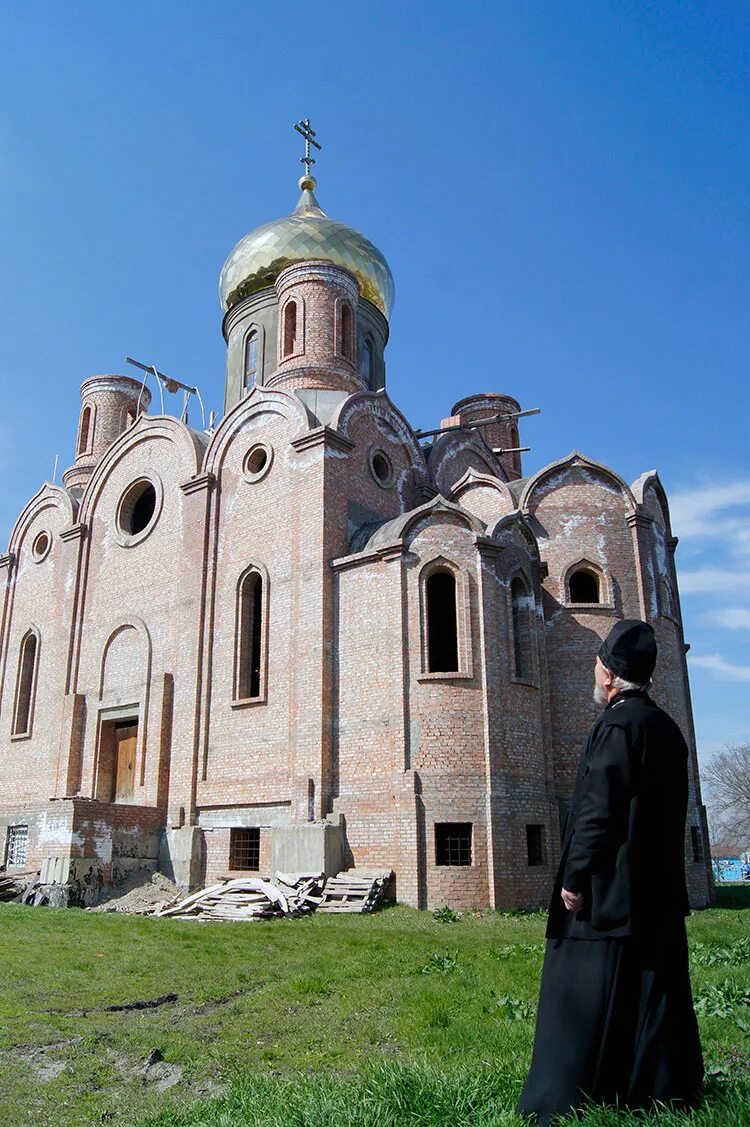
[381, 468]
[257, 461]
[41, 546]
[137, 507]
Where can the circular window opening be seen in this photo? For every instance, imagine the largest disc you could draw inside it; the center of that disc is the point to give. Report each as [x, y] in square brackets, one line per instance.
[381, 467]
[41, 546]
[137, 508]
[257, 461]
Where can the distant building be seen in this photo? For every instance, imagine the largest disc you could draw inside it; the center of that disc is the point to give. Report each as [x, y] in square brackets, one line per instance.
[313, 636]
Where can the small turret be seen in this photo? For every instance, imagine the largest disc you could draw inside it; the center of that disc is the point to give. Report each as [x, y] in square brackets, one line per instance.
[501, 435]
[109, 405]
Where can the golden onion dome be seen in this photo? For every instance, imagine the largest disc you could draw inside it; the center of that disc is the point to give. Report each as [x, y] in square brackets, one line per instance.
[304, 236]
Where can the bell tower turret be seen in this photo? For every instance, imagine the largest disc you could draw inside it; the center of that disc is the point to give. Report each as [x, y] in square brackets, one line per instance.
[109, 405]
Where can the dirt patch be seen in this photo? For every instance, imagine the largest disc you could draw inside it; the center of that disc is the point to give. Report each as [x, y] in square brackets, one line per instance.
[141, 893]
[41, 1059]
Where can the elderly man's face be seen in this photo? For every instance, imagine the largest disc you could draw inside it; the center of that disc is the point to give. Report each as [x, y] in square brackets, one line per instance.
[602, 683]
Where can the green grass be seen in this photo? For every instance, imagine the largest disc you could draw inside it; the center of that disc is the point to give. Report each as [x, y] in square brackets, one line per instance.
[393, 1019]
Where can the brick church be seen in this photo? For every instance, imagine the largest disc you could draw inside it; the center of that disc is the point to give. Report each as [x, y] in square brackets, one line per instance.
[310, 636]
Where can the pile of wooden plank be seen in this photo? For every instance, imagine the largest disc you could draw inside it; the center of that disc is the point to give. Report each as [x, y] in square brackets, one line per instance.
[303, 891]
[14, 885]
[354, 891]
[245, 898]
[292, 894]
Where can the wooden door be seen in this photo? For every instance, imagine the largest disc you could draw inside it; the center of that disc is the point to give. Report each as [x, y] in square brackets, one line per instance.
[125, 744]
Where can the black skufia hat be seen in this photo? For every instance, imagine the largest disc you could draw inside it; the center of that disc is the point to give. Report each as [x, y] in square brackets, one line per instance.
[629, 651]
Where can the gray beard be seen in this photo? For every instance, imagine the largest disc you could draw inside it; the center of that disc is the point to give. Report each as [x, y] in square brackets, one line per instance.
[600, 697]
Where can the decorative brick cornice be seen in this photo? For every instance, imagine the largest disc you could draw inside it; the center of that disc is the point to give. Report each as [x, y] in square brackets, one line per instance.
[199, 483]
[638, 519]
[488, 547]
[672, 542]
[75, 532]
[323, 436]
[395, 551]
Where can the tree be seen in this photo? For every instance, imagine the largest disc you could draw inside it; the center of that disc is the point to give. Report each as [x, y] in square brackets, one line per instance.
[726, 779]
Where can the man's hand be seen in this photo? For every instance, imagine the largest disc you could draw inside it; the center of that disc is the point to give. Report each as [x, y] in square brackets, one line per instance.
[573, 901]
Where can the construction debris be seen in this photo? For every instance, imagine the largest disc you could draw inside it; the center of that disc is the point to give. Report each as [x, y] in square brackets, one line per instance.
[13, 885]
[353, 892]
[293, 894]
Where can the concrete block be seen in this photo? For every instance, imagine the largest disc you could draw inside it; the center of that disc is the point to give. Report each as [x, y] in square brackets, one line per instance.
[181, 855]
[309, 847]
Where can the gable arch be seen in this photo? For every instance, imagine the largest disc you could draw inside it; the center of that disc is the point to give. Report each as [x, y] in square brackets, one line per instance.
[575, 460]
[261, 401]
[513, 527]
[189, 447]
[494, 490]
[48, 497]
[649, 492]
[452, 445]
[377, 404]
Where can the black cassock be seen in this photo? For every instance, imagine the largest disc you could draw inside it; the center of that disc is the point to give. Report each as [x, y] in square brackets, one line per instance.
[615, 1022]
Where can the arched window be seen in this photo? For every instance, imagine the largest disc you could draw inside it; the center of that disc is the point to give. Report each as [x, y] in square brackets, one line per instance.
[514, 437]
[584, 586]
[290, 328]
[522, 604]
[26, 685]
[83, 438]
[128, 417]
[251, 358]
[442, 624]
[347, 332]
[249, 637]
[367, 361]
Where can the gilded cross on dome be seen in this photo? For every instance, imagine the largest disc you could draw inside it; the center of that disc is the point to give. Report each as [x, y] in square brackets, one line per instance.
[306, 130]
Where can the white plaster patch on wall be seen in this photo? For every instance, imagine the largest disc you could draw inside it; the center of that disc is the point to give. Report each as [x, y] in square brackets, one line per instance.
[599, 481]
[299, 460]
[54, 830]
[103, 841]
[569, 526]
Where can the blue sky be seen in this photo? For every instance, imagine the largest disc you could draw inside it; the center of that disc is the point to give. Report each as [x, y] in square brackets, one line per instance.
[560, 188]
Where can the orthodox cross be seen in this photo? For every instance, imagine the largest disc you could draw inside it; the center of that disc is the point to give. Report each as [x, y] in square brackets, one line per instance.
[309, 134]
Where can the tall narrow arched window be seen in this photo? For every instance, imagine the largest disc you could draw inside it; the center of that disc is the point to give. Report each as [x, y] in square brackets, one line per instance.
[83, 437]
[521, 602]
[347, 332]
[290, 328]
[367, 361]
[442, 622]
[584, 586]
[28, 660]
[252, 342]
[248, 679]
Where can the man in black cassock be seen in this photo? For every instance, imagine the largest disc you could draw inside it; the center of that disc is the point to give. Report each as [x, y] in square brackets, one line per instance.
[615, 1022]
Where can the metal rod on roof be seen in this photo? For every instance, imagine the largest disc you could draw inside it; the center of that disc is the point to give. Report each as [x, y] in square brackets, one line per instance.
[169, 382]
[479, 422]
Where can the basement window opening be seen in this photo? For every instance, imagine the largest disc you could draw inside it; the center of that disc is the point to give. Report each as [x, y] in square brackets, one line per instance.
[244, 849]
[18, 845]
[453, 843]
